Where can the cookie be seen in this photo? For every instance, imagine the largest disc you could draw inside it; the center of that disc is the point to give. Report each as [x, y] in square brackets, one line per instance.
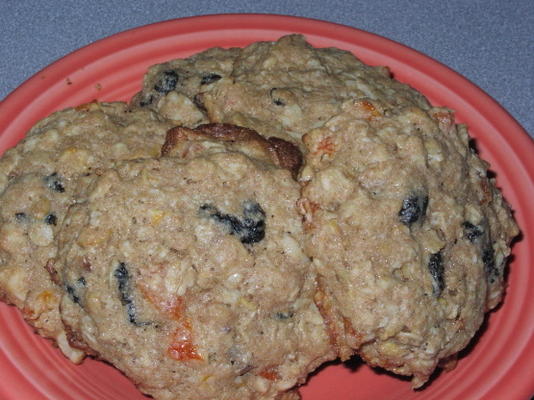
[37, 178]
[194, 252]
[408, 235]
[283, 88]
[188, 274]
[174, 88]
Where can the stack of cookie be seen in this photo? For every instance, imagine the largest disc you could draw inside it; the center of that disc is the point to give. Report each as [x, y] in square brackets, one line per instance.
[251, 214]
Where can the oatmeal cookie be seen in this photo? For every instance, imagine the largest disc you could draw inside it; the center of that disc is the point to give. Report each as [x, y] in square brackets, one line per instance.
[407, 233]
[207, 262]
[283, 88]
[37, 178]
[187, 272]
[174, 89]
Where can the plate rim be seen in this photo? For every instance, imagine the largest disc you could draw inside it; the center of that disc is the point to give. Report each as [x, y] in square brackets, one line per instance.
[521, 143]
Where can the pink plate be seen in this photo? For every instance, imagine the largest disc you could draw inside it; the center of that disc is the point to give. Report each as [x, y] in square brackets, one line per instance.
[501, 363]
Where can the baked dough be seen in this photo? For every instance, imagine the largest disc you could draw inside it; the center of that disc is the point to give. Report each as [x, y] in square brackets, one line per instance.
[283, 88]
[37, 179]
[192, 266]
[408, 235]
[219, 255]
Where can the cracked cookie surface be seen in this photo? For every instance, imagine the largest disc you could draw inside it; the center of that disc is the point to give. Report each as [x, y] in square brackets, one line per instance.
[37, 179]
[408, 235]
[282, 89]
[192, 265]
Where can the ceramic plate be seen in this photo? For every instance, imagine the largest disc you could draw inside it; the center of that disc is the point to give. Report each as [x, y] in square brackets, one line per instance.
[500, 364]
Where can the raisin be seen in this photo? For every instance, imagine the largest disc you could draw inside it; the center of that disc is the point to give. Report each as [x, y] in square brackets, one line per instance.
[21, 217]
[253, 223]
[435, 267]
[250, 229]
[123, 282]
[199, 103]
[53, 182]
[73, 290]
[276, 100]
[50, 219]
[488, 258]
[167, 82]
[413, 209]
[471, 231]
[230, 222]
[282, 315]
[146, 101]
[72, 294]
[210, 78]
